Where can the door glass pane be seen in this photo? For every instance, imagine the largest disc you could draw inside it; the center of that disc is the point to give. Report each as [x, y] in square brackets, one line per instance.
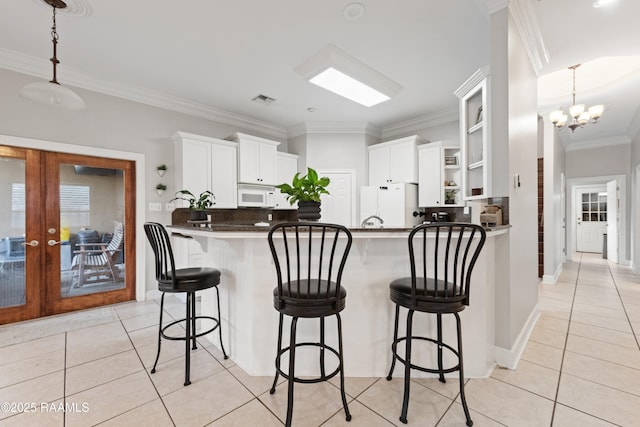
[91, 230]
[12, 232]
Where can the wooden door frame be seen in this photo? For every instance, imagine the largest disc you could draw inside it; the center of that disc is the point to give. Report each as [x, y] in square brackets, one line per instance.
[140, 198]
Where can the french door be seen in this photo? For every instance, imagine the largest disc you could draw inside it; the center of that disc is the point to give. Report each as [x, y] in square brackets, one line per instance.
[66, 232]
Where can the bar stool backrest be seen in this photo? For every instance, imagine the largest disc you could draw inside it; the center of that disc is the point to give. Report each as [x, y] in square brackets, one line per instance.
[309, 258]
[442, 257]
[161, 245]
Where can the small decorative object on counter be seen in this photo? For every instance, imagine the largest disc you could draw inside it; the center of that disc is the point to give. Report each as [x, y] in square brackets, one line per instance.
[161, 170]
[197, 205]
[306, 190]
[160, 189]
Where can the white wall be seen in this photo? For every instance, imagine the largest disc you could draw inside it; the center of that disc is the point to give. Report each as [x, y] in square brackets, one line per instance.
[514, 151]
[554, 230]
[523, 200]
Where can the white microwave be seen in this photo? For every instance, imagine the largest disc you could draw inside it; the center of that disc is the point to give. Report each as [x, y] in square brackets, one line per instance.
[256, 196]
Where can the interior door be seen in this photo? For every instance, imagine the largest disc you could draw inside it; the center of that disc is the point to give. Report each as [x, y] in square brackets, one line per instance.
[70, 214]
[592, 219]
[612, 220]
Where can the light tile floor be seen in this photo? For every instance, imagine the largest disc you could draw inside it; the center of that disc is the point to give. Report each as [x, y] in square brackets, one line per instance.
[581, 367]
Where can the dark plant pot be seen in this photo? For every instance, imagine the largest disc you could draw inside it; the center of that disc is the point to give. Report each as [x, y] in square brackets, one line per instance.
[308, 211]
[195, 215]
[449, 202]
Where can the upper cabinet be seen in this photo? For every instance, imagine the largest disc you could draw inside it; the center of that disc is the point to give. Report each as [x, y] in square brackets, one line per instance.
[287, 166]
[475, 143]
[204, 163]
[439, 174]
[256, 159]
[394, 161]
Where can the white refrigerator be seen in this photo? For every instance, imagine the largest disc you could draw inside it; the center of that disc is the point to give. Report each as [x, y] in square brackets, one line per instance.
[394, 203]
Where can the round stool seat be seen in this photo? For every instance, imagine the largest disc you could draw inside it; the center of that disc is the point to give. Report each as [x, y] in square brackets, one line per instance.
[304, 299]
[190, 279]
[441, 298]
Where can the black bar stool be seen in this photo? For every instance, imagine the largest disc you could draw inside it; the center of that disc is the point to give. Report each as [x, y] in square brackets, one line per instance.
[442, 257]
[309, 258]
[184, 280]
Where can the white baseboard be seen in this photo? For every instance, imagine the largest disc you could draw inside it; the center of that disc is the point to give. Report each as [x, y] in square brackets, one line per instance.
[509, 358]
[546, 278]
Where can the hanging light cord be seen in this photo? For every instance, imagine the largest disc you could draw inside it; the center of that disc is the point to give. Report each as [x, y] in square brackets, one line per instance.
[54, 39]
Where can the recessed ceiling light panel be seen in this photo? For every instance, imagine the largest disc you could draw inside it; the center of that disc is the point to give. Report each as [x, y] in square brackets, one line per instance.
[353, 11]
[335, 70]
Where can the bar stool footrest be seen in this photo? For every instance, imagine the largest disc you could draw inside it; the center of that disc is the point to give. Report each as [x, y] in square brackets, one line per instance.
[423, 369]
[182, 338]
[321, 378]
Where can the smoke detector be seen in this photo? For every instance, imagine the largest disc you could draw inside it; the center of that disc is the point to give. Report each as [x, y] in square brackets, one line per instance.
[263, 99]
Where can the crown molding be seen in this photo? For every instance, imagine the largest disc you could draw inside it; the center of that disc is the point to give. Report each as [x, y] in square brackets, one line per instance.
[496, 5]
[334, 127]
[527, 25]
[590, 144]
[419, 123]
[472, 81]
[25, 64]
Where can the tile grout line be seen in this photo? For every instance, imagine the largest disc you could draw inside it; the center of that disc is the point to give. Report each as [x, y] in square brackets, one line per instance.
[624, 308]
[566, 340]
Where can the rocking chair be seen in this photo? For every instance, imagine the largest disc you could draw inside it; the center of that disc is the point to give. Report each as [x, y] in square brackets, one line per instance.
[98, 260]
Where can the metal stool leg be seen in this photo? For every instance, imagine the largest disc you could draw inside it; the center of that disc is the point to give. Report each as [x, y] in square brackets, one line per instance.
[439, 326]
[394, 343]
[292, 373]
[462, 397]
[407, 369]
[344, 396]
[187, 339]
[220, 324]
[275, 380]
[153, 370]
[193, 321]
[322, 370]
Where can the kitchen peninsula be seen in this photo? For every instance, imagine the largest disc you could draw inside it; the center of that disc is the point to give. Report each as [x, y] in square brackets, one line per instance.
[377, 256]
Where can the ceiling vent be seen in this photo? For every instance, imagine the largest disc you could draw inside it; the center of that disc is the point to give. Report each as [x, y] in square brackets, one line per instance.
[263, 99]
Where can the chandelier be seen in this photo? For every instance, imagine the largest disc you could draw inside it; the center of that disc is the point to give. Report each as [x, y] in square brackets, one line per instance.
[577, 113]
[52, 93]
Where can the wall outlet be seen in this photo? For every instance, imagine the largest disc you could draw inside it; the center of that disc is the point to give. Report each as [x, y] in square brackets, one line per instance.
[169, 207]
[155, 206]
[467, 210]
[269, 217]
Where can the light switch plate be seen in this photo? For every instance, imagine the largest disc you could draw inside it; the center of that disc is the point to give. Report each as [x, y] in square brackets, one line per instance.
[169, 207]
[155, 206]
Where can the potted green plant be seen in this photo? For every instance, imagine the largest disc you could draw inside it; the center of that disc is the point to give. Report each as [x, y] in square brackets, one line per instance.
[306, 190]
[161, 170]
[160, 189]
[450, 197]
[197, 205]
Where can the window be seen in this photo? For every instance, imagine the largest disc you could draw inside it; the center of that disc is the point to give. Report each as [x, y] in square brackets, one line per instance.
[594, 207]
[75, 205]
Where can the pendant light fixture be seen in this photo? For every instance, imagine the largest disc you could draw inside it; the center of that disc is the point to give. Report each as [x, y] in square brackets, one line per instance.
[579, 116]
[52, 93]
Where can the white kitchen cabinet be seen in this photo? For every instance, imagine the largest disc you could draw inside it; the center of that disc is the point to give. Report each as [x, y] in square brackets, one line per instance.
[256, 159]
[286, 168]
[203, 163]
[438, 173]
[394, 161]
[475, 144]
